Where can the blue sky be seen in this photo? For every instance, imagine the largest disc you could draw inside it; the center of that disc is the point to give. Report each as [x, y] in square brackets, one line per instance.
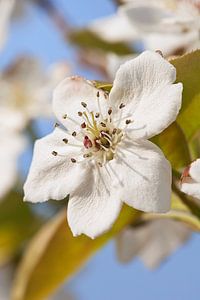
[103, 277]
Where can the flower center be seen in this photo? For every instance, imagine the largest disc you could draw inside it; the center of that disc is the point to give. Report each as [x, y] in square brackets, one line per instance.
[98, 136]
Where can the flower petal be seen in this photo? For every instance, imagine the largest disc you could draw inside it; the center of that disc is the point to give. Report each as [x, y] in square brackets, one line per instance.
[93, 208]
[68, 96]
[152, 241]
[114, 28]
[170, 43]
[191, 185]
[145, 175]
[53, 177]
[12, 145]
[144, 85]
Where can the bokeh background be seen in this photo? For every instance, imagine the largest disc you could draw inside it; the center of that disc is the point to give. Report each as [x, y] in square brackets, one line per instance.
[103, 277]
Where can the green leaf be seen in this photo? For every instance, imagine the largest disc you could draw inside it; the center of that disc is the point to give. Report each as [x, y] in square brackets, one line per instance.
[17, 224]
[87, 39]
[188, 72]
[54, 255]
[179, 212]
[174, 145]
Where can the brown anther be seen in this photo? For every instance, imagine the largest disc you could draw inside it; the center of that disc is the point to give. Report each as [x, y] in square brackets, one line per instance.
[128, 122]
[122, 105]
[65, 141]
[114, 130]
[80, 113]
[103, 124]
[159, 52]
[84, 104]
[74, 133]
[83, 125]
[98, 94]
[65, 116]
[56, 125]
[110, 111]
[73, 160]
[97, 115]
[54, 153]
[100, 164]
[87, 155]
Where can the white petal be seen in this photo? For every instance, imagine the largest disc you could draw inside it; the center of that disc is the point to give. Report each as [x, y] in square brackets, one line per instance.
[153, 241]
[53, 177]
[145, 86]
[68, 96]
[93, 208]
[165, 237]
[191, 186]
[145, 176]
[170, 43]
[145, 15]
[114, 28]
[12, 145]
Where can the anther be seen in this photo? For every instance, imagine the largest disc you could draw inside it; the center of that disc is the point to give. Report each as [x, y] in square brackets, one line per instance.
[54, 153]
[73, 160]
[83, 125]
[97, 115]
[80, 113]
[103, 124]
[84, 104]
[122, 105]
[65, 141]
[100, 164]
[114, 131]
[110, 111]
[87, 155]
[74, 133]
[56, 125]
[159, 52]
[98, 94]
[128, 122]
[65, 116]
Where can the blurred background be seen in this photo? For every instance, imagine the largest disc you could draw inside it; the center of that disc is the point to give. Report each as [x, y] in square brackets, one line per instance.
[41, 43]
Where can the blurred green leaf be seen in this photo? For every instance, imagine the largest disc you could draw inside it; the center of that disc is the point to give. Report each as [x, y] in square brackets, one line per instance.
[54, 255]
[188, 72]
[179, 212]
[88, 39]
[17, 224]
[174, 145]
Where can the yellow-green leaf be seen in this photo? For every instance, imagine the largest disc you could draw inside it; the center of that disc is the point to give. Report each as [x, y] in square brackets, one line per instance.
[174, 145]
[179, 212]
[188, 72]
[55, 255]
[17, 224]
[88, 39]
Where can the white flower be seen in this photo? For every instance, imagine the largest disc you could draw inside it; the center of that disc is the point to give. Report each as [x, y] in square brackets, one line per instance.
[168, 25]
[191, 180]
[6, 9]
[105, 158]
[152, 241]
[26, 89]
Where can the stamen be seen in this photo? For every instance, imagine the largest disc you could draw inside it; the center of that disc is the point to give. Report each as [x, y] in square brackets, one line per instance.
[110, 111]
[103, 124]
[84, 104]
[73, 160]
[80, 113]
[74, 133]
[97, 115]
[86, 155]
[65, 116]
[83, 125]
[65, 141]
[56, 125]
[122, 105]
[54, 153]
[128, 122]
[99, 107]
